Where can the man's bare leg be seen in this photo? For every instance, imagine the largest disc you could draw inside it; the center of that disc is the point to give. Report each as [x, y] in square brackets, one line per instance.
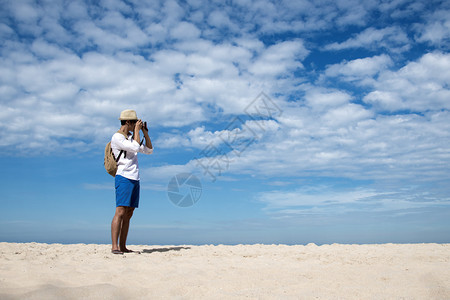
[124, 229]
[116, 226]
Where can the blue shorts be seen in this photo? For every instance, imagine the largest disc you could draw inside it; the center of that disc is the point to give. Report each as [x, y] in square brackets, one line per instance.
[127, 192]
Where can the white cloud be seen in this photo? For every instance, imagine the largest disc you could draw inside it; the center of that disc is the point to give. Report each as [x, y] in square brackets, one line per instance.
[346, 114]
[384, 99]
[344, 139]
[111, 33]
[185, 30]
[436, 30]
[205, 66]
[219, 19]
[25, 12]
[323, 99]
[157, 33]
[354, 12]
[391, 38]
[101, 85]
[418, 86]
[400, 8]
[331, 136]
[172, 12]
[251, 44]
[197, 138]
[115, 5]
[94, 87]
[279, 59]
[200, 138]
[326, 200]
[75, 10]
[312, 197]
[362, 69]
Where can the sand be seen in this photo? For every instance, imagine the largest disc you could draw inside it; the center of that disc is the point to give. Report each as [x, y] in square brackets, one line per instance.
[79, 271]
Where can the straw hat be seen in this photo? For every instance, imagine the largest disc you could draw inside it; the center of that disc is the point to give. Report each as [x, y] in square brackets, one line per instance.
[128, 114]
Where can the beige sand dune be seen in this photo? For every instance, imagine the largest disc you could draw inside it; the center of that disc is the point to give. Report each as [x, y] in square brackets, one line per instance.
[79, 271]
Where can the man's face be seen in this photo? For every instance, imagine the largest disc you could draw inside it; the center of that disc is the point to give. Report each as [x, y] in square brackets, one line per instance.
[131, 125]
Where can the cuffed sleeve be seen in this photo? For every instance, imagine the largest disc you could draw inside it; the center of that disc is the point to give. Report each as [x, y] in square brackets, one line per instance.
[146, 150]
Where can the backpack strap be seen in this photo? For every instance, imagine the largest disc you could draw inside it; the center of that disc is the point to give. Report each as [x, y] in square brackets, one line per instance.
[122, 151]
[118, 157]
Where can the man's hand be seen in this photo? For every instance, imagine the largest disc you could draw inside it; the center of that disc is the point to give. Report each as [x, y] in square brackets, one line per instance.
[144, 127]
[148, 142]
[138, 126]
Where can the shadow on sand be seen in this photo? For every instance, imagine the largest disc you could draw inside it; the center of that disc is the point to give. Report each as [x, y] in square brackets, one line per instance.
[164, 249]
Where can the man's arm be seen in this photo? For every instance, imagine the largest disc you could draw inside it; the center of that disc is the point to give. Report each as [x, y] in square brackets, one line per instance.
[137, 128]
[148, 141]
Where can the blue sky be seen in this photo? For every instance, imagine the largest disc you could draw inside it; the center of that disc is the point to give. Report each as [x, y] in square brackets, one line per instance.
[305, 121]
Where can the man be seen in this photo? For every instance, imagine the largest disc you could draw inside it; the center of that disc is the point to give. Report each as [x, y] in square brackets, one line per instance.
[127, 176]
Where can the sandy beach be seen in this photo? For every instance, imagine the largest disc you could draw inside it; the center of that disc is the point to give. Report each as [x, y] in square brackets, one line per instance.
[80, 271]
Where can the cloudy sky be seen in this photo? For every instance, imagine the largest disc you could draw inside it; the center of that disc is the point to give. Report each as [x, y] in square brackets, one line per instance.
[304, 121]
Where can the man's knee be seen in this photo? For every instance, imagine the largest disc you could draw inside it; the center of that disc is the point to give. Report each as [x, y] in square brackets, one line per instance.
[129, 212]
[121, 212]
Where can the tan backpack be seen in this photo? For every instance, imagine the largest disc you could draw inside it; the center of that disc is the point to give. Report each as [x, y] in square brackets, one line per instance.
[110, 161]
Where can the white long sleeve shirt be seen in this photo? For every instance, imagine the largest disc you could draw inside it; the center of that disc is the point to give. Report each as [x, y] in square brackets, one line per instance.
[128, 166]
